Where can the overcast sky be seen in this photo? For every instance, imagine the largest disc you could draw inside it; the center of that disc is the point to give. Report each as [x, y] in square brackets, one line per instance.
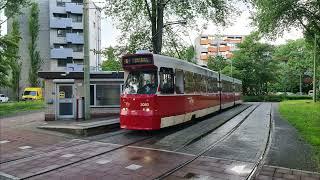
[240, 26]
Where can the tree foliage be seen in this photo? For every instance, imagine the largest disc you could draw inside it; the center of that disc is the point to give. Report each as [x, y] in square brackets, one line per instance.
[296, 64]
[255, 65]
[34, 53]
[111, 61]
[14, 59]
[143, 21]
[186, 53]
[6, 43]
[12, 7]
[274, 16]
[217, 63]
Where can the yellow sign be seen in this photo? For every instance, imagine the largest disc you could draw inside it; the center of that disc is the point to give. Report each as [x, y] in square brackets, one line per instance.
[62, 95]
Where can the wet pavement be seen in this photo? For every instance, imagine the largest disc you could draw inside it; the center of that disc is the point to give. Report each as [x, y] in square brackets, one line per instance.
[274, 172]
[231, 149]
[288, 149]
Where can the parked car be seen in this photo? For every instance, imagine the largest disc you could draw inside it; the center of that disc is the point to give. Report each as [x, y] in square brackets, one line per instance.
[310, 93]
[32, 93]
[3, 98]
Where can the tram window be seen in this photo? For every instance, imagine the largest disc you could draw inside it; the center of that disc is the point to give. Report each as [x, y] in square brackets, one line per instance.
[188, 82]
[197, 81]
[179, 82]
[166, 80]
[141, 83]
[204, 83]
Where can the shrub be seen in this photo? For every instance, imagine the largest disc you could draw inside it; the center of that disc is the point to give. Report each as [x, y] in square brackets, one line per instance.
[273, 98]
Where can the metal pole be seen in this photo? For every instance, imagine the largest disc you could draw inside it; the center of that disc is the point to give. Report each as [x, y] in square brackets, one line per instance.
[314, 69]
[300, 88]
[86, 73]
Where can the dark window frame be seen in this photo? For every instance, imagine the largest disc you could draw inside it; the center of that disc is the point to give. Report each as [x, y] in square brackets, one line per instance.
[168, 75]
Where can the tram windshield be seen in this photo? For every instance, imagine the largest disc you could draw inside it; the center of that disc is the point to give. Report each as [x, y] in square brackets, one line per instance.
[141, 83]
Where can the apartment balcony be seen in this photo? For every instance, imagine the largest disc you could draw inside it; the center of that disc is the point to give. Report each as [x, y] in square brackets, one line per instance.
[57, 9]
[61, 53]
[224, 49]
[78, 55]
[212, 49]
[74, 38]
[204, 57]
[57, 40]
[75, 8]
[60, 22]
[77, 25]
[204, 41]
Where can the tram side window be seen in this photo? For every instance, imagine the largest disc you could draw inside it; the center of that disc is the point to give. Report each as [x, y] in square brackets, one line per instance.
[214, 84]
[204, 84]
[188, 82]
[209, 85]
[166, 81]
[197, 81]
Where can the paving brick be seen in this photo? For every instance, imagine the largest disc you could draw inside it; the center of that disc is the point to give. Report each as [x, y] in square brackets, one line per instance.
[282, 170]
[263, 177]
[290, 176]
[309, 178]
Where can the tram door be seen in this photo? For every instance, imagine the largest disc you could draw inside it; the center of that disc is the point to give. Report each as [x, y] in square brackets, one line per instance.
[65, 101]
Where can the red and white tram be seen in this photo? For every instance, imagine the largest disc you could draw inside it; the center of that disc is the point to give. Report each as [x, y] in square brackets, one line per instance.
[161, 91]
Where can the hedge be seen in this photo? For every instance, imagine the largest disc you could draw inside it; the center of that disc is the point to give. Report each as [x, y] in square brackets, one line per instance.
[273, 98]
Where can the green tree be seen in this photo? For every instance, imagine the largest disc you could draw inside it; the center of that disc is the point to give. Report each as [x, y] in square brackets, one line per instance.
[273, 17]
[111, 62]
[217, 63]
[15, 63]
[296, 57]
[11, 7]
[255, 65]
[186, 53]
[143, 21]
[6, 43]
[34, 54]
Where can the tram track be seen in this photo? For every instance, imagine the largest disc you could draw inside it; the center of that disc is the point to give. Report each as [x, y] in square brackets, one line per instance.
[258, 165]
[103, 139]
[173, 170]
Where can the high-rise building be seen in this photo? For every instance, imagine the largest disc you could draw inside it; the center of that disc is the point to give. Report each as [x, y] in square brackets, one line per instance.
[213, 45]
[61, 36]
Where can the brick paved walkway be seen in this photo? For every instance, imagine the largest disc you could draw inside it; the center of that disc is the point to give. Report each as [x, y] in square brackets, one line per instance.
[19, 136]
[273, 172]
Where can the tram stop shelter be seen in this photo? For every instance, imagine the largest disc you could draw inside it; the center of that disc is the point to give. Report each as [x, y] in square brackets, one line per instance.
[64, 94]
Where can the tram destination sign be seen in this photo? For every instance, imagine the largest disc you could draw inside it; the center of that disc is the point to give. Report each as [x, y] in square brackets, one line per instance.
[136, 60]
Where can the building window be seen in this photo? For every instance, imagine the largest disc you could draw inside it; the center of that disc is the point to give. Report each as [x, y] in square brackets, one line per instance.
[64, 62]
[61, 33]
[166, 81]
[77, 48]
[105, 94]
[76, 17]
[77, 31]
[61, 3]
[60, 15]
[92, 93]
[60, 46]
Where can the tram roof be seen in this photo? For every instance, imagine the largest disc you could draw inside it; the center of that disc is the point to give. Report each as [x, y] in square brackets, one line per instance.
[165, 61]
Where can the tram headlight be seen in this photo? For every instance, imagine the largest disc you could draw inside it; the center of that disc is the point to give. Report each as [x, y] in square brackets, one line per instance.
[124, 111]
[146, 109]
